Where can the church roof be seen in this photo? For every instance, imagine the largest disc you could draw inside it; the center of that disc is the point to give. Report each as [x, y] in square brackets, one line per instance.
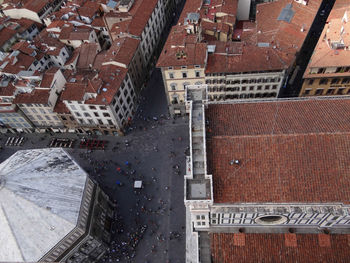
[40, 196]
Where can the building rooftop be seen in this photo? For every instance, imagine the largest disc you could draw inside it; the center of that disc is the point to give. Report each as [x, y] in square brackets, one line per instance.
[326, 56]
[287, 151]
[40, 196]
[279, 248]
[40, 96]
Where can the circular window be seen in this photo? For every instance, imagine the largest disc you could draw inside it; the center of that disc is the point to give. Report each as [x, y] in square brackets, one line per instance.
[271, 220]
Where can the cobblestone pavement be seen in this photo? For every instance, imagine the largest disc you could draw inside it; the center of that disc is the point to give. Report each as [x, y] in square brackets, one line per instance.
[155, 155]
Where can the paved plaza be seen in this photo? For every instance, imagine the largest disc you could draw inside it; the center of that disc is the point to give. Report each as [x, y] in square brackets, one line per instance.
[150, 225]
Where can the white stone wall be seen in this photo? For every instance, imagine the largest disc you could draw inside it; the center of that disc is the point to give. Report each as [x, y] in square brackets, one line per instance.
[312, 215]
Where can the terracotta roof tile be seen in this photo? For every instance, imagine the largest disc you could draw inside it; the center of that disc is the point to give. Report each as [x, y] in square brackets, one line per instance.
[122, 50]
[37, 96]
[141, 17]
[87, 55]
[73, 91]
[36, 5]
[290, 151]
[323, 55]
[6, 34]
[48, 77]
[60, 107]
[272, 248]
[284, 40]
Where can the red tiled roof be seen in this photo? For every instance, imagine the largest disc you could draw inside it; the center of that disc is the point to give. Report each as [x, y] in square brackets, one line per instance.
[37, 96]
[274, 248]
[122, 50]
[141, 16]
[88, 52]
[23, 63]
[8, 90]
[89, 9]
[324, 55]
[290, 151]
[6, 34]
[284, 39]
[98, 22]
[178, 41]
[48, 77]
[60, 107]
[73, 91]
[112, 77]
[35, 5]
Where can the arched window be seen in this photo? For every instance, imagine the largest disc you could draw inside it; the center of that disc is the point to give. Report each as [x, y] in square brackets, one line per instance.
[186, 84]
[173, 86]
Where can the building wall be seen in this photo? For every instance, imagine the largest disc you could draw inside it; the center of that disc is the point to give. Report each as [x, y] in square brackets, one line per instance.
[56, 87]
[69, 122]
[176, 79]
[326, 81]
[239, 86]
[61, 59]
[243, 9]
[90, 115]
[41, 115]
[151, 34]
[297, 215]
[123, 105]
[309, 217]
[14, 119]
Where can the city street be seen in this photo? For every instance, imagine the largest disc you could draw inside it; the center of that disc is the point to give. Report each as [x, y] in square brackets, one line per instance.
[153, 150]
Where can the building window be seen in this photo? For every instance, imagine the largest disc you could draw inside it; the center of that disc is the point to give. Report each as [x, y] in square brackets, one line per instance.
[92, 107]
[86, 114]
[307, 92]
[321, 70]
[198, 74]
[185, 84]
[173, 86]
[323, 81]
[334, 81]
[311, 81]
[105, 114]
[184, 74]
[330, 91]
[110, 122]
[319, 92]
[341, 91]
[345, 80]
[171, 75]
